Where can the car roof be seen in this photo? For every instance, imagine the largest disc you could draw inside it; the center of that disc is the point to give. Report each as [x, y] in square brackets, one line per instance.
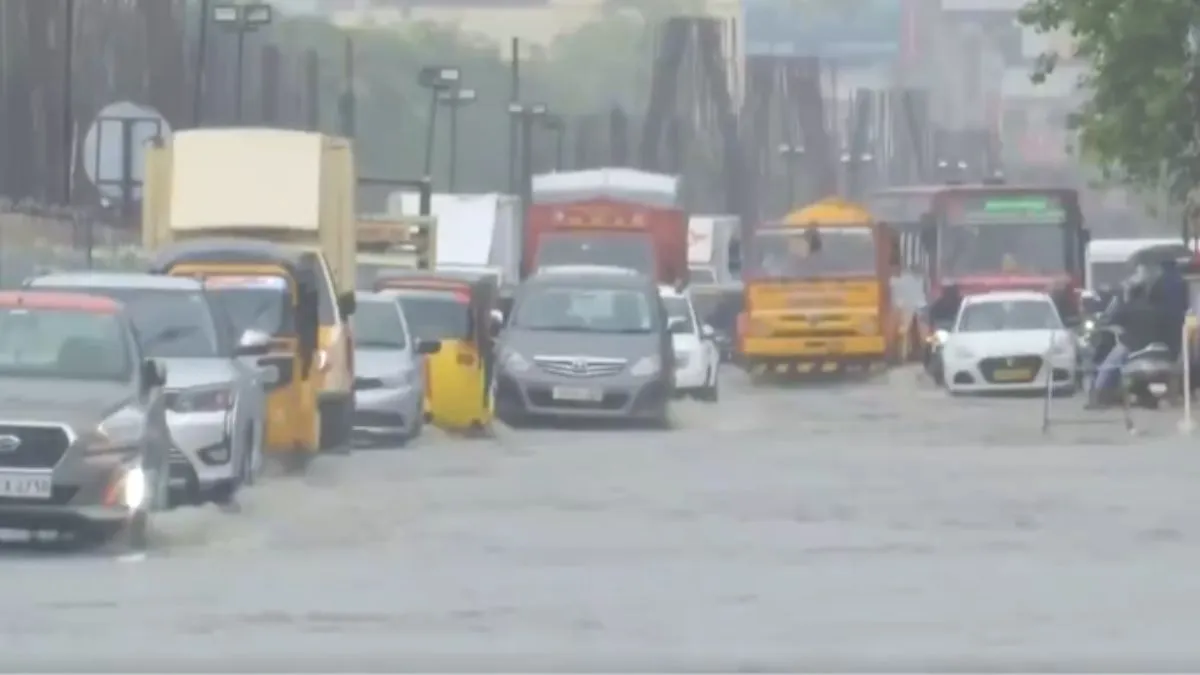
[1007, 296]
[116, 280]
[586, 269]
[38, 299]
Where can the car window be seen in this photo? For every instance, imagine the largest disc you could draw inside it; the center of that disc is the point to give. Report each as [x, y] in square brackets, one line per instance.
[262, 303]
[678, 308]
[581, 309]
[63, 344]
[436, 316]
[169, 324]
[1011, 315]
[378, 325]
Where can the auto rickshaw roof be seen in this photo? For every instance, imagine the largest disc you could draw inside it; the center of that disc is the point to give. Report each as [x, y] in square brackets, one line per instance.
[230, 249]
[1155, 255]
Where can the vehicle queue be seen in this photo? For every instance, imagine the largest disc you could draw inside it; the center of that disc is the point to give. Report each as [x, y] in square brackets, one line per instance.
[254, 334]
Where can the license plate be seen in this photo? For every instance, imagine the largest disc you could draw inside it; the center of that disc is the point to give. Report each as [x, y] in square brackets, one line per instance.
[1013, 374]
[577, 394]
[26, 486]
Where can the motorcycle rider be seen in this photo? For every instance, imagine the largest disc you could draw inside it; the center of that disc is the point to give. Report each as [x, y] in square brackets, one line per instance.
[1139, 321]
[1170, 294]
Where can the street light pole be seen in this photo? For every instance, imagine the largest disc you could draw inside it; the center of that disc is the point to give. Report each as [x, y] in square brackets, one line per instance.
[526, 115]
[68, 103]
[241, 19]
[455, 99]
[201, 63]
[436, 79]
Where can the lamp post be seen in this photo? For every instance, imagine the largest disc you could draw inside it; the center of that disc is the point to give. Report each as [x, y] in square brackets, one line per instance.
[436, 79]
[455, 99]
[241, 19]
[558, 125]
[525, 115]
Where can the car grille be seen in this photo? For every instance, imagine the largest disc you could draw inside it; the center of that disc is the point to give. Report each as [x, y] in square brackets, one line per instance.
[40, 447]
[580, 367]
[367, 383]
[993, 369]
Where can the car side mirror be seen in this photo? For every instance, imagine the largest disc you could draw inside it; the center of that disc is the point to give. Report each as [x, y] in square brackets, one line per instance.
[707, 332]
[429, 346]
[153, 374]
[347, 303]
[253, 343]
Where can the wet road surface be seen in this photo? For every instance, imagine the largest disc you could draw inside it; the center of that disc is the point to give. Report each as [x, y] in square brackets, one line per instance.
[846, 526]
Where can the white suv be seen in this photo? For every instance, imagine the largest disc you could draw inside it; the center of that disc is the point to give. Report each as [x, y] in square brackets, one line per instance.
[697, 360]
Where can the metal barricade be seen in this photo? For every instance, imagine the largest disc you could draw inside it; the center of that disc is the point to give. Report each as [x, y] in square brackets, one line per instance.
[38, 238]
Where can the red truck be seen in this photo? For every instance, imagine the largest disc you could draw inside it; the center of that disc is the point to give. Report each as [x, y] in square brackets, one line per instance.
[618, 217]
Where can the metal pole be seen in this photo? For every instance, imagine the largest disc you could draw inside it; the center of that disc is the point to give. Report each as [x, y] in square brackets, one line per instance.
[430, 131]
[68, 132]
[513, 128]
[526, 160]
[201, 61]
[241, 55]
[560, 132]
[453, 178]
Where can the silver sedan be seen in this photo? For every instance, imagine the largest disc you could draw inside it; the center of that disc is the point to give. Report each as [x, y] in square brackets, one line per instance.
[389, 371]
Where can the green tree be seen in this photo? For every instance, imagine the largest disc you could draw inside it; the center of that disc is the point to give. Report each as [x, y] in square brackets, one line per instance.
[1143, 104]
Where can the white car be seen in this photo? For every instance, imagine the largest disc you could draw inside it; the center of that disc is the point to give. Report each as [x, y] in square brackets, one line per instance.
[1009, 341]
[697, 360]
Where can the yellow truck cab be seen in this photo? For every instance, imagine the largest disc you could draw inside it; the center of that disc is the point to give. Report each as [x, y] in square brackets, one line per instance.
[817, 293]
[289, 192]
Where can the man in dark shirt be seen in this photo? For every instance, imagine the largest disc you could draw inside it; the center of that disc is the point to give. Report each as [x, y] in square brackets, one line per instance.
[1170, 294]
[1140, 322]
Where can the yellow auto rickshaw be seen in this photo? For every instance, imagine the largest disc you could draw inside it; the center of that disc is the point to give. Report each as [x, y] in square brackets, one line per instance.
[460, 314]
[264, 288]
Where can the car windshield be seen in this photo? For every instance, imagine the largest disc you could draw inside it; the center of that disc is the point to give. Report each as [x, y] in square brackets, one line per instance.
[1009, 315]
[261, 303]
[679, 310]
[585, 310]
[377, 325]
[169, 324]
[814, 252]
[63, 345]
[631, 251]
[436, 315]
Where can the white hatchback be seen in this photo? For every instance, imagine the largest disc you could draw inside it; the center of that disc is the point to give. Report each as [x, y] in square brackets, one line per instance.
[1009, 341]
[697, 360]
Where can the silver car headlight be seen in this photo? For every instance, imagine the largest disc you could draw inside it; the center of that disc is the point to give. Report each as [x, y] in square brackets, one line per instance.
[202, 399]
[646, 366]
[516, 363]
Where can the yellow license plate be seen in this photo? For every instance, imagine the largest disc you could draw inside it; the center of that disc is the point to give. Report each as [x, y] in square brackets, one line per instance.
[1013, 374]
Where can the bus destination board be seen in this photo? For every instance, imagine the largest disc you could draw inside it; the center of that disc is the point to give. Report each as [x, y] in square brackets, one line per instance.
[1012, 209]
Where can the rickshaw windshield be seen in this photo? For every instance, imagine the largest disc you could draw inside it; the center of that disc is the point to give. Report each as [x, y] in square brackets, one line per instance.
[436, 315]
[262, 303]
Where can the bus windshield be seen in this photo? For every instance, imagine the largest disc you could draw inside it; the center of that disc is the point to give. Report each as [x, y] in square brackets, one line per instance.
[804, 253]
[1004, 235]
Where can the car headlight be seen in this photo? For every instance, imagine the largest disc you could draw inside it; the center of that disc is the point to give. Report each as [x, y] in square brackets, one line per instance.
[202, 399]
[1089, 326]
[940, 336]
[646, 366]
[516, 363]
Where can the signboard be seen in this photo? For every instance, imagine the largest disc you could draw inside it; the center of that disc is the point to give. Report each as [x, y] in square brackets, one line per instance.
[600, 217]
[1013, 209]
[858, 32]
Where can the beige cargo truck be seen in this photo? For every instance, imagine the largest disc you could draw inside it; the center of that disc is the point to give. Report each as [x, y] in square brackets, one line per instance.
[240, 207]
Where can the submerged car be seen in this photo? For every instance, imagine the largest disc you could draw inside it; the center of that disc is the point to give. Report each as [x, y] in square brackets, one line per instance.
[216, 407]
[83, 430]
[1009, 341]
[389, 382]
[589, 343]
[697, 360]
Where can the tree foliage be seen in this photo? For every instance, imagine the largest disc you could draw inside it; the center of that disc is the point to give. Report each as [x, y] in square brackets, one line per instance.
[1143, 107]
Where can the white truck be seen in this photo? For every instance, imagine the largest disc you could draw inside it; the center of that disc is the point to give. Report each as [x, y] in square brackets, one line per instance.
[475, 232]
[710, 254]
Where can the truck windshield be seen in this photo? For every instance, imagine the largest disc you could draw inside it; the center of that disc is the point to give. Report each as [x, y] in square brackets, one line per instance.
[262, 303]
[629, 250]
[805, 253]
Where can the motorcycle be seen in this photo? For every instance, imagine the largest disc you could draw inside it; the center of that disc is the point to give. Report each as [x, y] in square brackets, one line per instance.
[933, 362]
[1149, 374]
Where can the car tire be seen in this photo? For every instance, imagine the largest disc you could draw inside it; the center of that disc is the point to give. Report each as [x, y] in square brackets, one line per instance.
[337, 423]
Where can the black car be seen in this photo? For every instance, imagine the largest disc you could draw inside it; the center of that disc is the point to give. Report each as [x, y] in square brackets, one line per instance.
[83, 433]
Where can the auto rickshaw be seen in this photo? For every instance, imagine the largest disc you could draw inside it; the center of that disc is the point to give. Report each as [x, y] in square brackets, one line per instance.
[460, 313]
[270, 289]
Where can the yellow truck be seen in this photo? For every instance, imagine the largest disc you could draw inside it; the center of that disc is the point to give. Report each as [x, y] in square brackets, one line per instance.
[818, 293]
[241, 207]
